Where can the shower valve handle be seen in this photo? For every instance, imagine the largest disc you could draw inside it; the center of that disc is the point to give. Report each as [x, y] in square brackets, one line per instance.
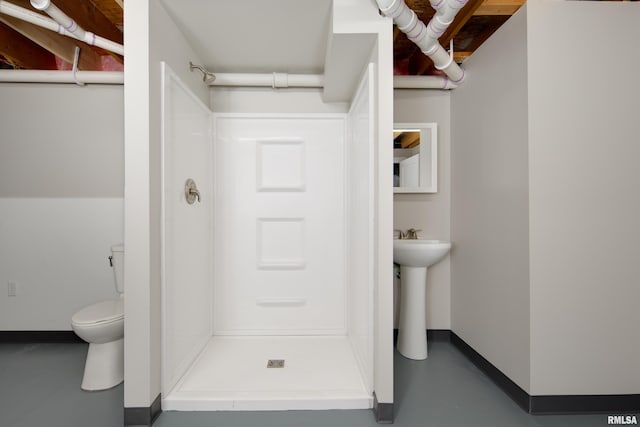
[191, 191]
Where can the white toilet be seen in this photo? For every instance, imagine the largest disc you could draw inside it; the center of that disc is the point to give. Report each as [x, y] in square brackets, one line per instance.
[102, 326]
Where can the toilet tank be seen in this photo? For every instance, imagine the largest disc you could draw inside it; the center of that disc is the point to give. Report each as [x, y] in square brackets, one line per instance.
[117, 261]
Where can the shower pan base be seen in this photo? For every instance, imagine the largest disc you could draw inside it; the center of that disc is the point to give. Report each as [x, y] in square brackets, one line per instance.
[235, 373]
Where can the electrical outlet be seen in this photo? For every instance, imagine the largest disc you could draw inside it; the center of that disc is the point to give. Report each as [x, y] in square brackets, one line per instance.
[12, 289]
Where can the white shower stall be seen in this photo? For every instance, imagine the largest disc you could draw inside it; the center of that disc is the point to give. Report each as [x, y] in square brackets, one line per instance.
[274, 262]
[271, 292]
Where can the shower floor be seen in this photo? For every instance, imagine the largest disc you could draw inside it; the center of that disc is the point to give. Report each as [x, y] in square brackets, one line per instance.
[232, 374]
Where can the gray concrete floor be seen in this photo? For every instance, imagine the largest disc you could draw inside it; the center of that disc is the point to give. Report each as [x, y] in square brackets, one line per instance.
[40, 386]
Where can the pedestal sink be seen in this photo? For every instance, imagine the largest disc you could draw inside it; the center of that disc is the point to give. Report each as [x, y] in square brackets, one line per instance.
[414, 257]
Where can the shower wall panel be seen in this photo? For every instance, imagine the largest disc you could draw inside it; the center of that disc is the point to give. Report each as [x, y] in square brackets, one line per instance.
[187, 249]
[359, 206]
[279, 222]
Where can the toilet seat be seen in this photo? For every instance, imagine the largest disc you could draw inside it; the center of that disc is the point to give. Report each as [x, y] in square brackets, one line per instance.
[102, 312]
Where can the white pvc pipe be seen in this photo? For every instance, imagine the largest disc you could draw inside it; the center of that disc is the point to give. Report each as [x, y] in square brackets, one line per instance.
[60, 17]
[426, 36]
[27, 15]
[422, 82]
[283, 80]
[274, 80]
[40, 76]
[224, 79]
[71, 26]
[32, 17]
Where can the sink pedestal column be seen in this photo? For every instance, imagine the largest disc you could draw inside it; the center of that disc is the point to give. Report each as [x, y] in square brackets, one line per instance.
[412, 334]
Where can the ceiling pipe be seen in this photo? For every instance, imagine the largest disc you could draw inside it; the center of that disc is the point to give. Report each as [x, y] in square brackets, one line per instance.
[223, 79]
[273, 80]
[80, 77]
[426, 36]
[284, 80]
[27, 15]
[422, 82]
[71, 26]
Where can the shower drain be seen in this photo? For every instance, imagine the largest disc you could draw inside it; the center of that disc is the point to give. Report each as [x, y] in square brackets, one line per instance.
[275, 363]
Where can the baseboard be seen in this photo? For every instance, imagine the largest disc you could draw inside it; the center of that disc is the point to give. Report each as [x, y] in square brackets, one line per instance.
[549, 405]
[143, 416]
[439, 335]
[39, 337]
[383, 412]
[612, 404]
[513, 390]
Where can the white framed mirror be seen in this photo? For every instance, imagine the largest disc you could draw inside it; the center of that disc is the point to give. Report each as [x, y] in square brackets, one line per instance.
[415, 157]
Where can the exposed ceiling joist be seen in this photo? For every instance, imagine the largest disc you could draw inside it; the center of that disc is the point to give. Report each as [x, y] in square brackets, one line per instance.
[59, 45]
[459, 57]
[460, 20]
[24, 53]
[499, 7]
[408, 139]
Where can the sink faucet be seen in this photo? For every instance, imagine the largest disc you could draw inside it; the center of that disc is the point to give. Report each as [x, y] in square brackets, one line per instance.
[412, 233]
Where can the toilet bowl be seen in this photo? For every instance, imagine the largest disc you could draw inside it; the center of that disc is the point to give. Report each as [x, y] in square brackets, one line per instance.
[102, 326]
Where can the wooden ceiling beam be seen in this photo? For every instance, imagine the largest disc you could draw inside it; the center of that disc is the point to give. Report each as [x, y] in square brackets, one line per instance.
[499, 7]
[409, 139]
[24, 53]
[113, 10]
[459, 21]
[459, 57]
[59, 45]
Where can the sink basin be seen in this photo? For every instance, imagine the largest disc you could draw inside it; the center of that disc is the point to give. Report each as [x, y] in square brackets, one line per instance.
[419, 252]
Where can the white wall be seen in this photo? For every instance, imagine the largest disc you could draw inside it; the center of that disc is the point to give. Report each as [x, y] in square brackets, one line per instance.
[545, 204]
[584, 197]
[489, 205]
[150, 37]
[61, 189]
[430, 213]
[268, 100]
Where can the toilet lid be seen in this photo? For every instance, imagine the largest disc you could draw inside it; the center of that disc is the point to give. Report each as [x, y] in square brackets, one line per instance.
[102, 312]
